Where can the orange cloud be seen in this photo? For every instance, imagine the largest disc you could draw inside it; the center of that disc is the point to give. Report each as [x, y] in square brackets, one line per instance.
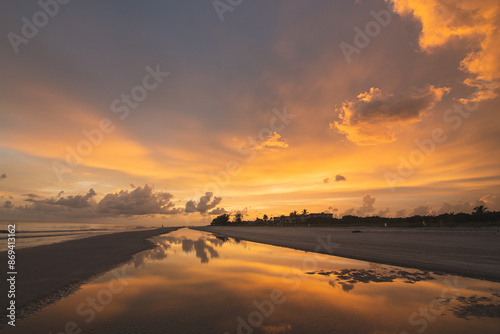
[477, 21]
[274, 141]
[371, 118]
[492, 201]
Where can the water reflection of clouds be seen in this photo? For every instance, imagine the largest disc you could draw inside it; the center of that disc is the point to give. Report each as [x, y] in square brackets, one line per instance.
[204, 248]
[479, 307]
[465, 307]
[201, 248]
[345, 286]
[155, 254]
[179, 293]
[347, 278]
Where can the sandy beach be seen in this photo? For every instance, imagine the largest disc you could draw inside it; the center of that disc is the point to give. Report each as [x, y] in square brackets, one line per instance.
[471, 253]
[48, 272]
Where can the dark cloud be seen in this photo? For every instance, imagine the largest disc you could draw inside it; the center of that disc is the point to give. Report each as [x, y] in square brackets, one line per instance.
[368, 201]
[339, 178]
[190, 206]
[206, 203]
[7, 205]
[75, 202]
[371, 118]
[218, 211]
[140, 201]
[331, 209]
[2, 177]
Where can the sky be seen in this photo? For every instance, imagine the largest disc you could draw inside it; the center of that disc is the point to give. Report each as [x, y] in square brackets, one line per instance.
[149, 112]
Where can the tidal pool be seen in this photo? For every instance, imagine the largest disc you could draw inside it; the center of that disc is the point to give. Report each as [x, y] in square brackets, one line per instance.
[196, 282]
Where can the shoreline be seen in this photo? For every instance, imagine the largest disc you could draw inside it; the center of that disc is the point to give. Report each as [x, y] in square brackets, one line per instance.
[470, 253]
[48, 272]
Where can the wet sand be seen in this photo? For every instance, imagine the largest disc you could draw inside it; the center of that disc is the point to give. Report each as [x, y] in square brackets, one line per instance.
[471, 253]
[49, 272]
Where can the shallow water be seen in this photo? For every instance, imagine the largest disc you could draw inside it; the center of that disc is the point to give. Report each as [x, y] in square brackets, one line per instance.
[31, 234]
[195, 282]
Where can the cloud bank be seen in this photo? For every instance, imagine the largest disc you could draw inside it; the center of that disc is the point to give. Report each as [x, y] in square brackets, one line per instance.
[368, 201]
[206, 203]
[140, 201]
[74, 202]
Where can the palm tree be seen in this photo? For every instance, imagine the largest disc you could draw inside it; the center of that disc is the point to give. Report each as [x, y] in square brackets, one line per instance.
[480, 209]
[304, 212]
[265, 217]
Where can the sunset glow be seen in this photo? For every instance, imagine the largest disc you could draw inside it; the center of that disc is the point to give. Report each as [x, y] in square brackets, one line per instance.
[161, 113]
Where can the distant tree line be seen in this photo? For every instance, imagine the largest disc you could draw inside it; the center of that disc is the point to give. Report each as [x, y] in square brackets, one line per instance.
[479, 217]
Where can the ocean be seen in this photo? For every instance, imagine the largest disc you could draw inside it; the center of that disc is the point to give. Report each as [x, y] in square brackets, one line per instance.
[30, 234]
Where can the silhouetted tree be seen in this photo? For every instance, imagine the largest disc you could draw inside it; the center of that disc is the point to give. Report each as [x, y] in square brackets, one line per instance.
[265, 217]
[238, 218]
[304, 212]
[221, 220]
[480, 209]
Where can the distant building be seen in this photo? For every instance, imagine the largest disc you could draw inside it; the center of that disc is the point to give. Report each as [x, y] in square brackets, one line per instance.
[294, 219]
[320, 215]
